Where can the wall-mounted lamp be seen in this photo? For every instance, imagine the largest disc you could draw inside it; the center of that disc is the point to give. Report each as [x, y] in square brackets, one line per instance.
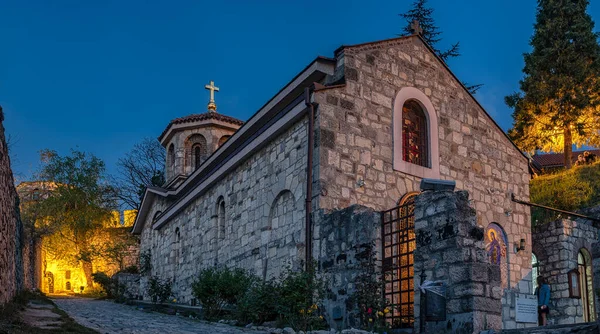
[360, 183]
[520, 247]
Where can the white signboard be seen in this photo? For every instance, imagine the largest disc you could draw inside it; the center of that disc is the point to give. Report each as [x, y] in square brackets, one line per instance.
[526, 309]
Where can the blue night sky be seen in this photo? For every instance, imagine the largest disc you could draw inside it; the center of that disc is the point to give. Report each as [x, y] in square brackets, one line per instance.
[100, 75]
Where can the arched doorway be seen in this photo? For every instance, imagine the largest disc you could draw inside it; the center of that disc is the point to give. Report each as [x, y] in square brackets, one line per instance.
[50, 281]
[398, 236]
[584, 266]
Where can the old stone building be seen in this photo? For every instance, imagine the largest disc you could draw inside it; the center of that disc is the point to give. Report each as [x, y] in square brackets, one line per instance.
[350, 136]
[53, 268]
[11, 229]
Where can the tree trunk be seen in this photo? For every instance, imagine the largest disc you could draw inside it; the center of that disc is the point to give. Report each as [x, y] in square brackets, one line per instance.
[568, 142]
[87, 270]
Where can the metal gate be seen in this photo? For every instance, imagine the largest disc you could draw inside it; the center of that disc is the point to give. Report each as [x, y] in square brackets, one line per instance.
[398, 243]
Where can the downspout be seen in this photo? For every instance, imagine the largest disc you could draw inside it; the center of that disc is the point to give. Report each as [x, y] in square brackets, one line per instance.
[309, 178]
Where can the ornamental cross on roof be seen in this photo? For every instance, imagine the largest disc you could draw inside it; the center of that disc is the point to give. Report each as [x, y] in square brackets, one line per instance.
[416, 27]
[211, 103]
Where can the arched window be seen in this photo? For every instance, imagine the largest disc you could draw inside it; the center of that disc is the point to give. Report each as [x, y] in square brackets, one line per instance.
[171, 155]
[177, 247]
[197, 156]
[221, 218]
[535, 271]
[68, 286]
[584, 265]
[223, 140]
[196, 150]
[414, 134]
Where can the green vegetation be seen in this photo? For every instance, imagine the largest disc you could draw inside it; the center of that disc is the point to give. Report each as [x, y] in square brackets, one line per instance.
[572, 190]
[159, 290]
[292, 300]
[216, 288]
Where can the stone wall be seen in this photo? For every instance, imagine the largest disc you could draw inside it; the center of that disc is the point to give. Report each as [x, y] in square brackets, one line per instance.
[343, 241]
[557, 245]
[11, 229]
[183, 163]
[262, 222]
[450, 249]
[130, 283]
[356, 143]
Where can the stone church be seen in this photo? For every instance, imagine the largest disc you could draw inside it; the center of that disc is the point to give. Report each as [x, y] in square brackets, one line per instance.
[333, 162]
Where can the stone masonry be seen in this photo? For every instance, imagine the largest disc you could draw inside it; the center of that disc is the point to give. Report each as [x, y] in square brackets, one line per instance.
[344, 240]
[11, 229]
[450, 249]
[356, 142]
[557, 245]
[263, 219]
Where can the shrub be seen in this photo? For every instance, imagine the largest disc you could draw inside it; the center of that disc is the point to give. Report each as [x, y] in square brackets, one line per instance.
[297, 300]
[219, 287]
[368, 294]
[107, 283]
[130, 270]
[111, 287]
[159, 290]
[259, 304]
[145, 262]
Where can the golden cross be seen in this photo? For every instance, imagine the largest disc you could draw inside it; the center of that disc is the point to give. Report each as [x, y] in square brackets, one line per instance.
[211, 104]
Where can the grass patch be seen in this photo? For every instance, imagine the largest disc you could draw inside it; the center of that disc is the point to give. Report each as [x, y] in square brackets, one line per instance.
[11, 321]
[571, 190]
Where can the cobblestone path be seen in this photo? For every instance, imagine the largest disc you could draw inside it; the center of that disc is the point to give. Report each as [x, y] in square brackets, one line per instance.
[108, 317]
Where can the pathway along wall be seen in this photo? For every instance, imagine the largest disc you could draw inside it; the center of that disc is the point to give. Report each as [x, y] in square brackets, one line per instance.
[11, 229]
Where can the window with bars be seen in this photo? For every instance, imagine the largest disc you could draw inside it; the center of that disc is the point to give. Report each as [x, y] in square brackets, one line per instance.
[414, 134]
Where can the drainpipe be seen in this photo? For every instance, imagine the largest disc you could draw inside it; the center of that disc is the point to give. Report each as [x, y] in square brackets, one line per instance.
[309, 172]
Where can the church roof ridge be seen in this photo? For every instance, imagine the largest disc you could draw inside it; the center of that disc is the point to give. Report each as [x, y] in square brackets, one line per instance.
[200, 117]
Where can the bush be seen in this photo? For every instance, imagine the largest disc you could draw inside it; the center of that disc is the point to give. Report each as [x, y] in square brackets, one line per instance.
[259, 304]
[368, 294]
[145, 262]
[159, 290]
[130, 270]
[297, 300]
[107, 283]
[111, 287]
[217, 288]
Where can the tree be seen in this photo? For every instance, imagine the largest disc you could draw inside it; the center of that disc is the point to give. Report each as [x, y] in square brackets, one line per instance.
[141, 167]
[559, 98]
[424, 15]
[78, 206]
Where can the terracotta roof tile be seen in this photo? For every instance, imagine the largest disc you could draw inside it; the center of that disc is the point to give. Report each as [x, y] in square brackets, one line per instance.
[201, 117]
[558, 159]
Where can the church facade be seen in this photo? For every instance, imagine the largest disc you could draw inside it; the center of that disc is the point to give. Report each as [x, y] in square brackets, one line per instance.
[362, 128]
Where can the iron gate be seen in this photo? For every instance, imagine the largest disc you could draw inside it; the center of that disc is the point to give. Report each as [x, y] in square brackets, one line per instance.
[398, 243]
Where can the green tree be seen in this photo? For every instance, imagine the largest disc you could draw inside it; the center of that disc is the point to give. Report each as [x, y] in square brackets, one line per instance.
[422, 13]
[558, 102]
[77, 207]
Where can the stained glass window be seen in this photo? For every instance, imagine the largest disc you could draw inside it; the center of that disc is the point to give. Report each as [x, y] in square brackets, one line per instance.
[414, 134]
